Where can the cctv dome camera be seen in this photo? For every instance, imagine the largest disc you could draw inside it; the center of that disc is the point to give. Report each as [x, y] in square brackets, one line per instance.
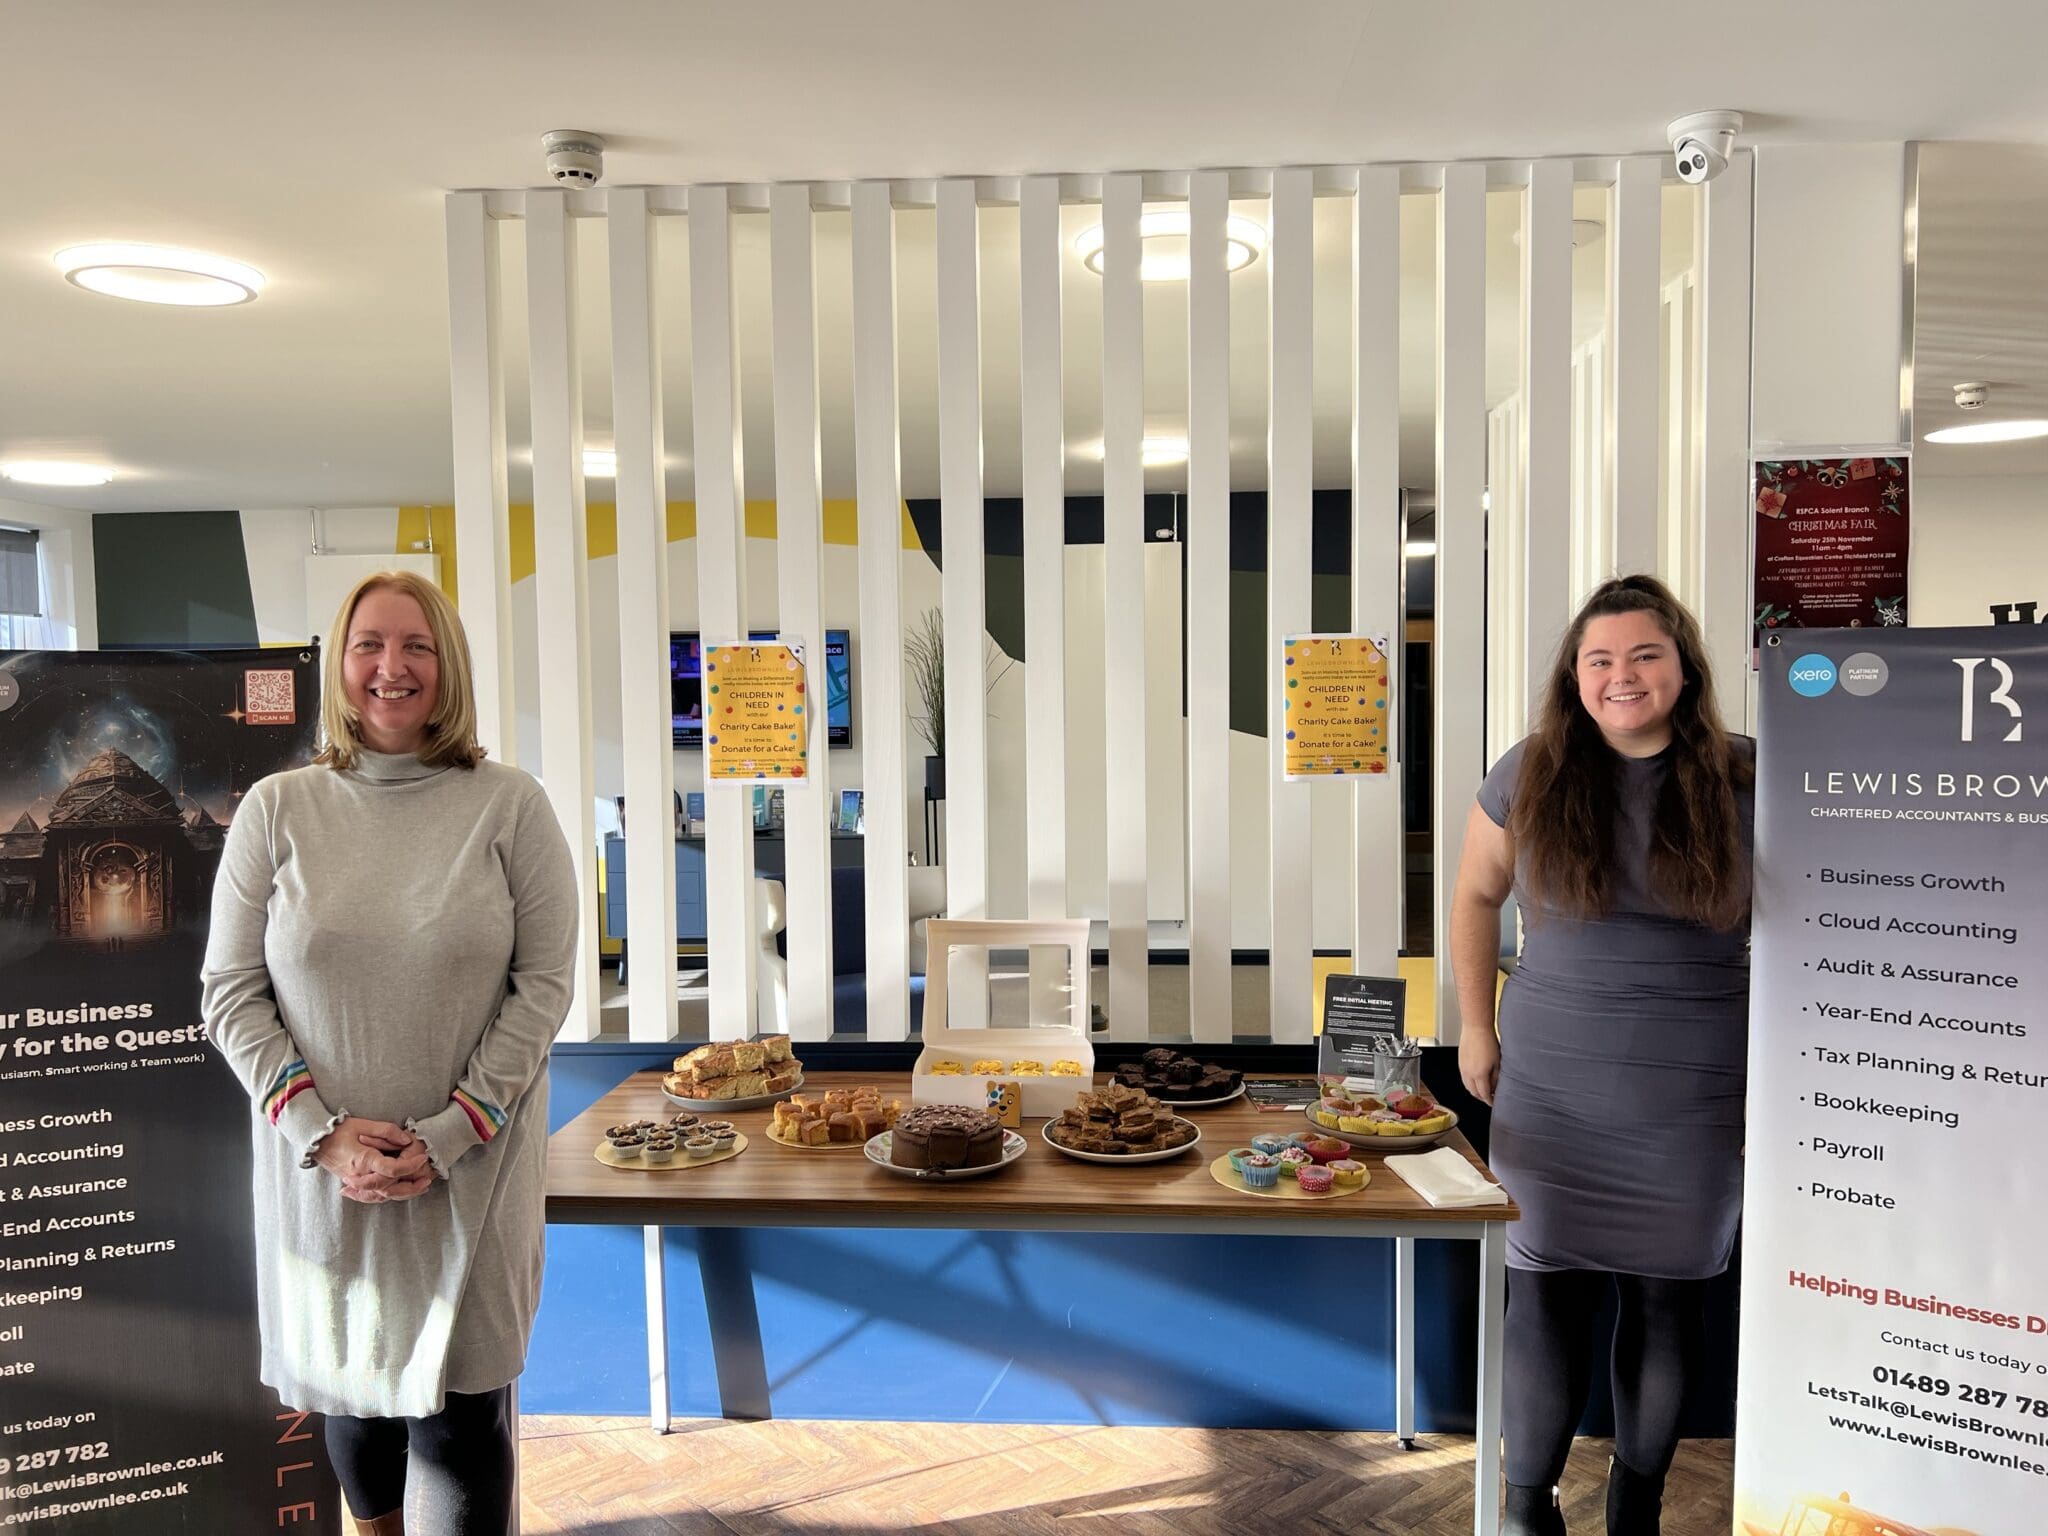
[1971, 397]
[575, 158]
[1701, 142]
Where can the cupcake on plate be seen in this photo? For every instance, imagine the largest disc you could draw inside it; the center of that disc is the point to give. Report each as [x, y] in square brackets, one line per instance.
[699, 1147]
[1259, 1172]
[1296, 1158]
[660, 1150]
[627, 1145]
[1272, 1146]
[1347, 1173]
[1316, 1181]
[1437, 1120]
[1386, 1122]
[1237, 1155]
[1327, 1149]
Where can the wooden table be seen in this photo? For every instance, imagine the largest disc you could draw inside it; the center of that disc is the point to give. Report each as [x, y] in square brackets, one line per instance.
[1044, 1191]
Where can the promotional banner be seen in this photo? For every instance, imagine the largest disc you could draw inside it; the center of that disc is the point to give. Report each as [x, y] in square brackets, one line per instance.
[1894, 1356]
[756, 727]
[1832, 537]
[1335, 700]
[129, 1395]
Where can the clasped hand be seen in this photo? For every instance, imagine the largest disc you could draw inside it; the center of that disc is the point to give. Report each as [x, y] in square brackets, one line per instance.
[376, 1161]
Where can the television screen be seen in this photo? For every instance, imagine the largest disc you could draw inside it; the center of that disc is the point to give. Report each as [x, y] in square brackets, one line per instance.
[686, 687]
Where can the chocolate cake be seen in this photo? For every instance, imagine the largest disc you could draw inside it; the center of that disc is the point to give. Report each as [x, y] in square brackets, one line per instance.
[1176, 1078]
[945, 1136]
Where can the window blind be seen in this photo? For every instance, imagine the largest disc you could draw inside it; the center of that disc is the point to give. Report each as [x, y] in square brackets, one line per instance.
[20, 591]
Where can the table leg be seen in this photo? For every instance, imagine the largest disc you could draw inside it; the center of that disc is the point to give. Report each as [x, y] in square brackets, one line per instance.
[1493, 1282]
[657, 1330]
[735, 1321]
[1404, 1342]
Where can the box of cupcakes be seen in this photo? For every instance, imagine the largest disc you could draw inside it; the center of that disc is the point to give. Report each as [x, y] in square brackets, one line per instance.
[1037, 1067]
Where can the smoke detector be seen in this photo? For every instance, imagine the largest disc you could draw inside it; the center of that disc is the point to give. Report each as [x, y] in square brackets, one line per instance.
[1971, 397]
[575, 158]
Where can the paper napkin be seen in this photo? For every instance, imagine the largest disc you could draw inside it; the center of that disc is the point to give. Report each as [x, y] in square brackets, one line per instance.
[1445, 1179]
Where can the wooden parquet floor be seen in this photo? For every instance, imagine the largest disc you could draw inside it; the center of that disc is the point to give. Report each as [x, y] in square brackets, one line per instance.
[615, 1477]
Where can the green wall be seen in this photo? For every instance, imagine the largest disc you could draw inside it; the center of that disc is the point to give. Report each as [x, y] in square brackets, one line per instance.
[172, 580]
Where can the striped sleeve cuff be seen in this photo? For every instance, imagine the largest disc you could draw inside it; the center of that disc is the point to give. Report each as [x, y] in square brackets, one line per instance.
[294, 1079]
[465, 1122]
[294, 1106]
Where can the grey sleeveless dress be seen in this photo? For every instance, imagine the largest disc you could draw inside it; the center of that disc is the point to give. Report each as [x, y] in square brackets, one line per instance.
[1618, 1121]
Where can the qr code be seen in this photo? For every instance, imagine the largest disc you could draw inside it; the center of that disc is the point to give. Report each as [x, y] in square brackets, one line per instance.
[269, 698]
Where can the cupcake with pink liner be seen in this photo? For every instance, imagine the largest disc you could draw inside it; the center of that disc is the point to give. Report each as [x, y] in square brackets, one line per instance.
[1316, 1181]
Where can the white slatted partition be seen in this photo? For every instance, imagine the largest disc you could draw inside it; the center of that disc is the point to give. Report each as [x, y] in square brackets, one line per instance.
[561, 580]
[1045, 577]
[1546, 447]
[1378, 603]
[965, 601]
[1290, 481]
[1460, 650]
[799, 534]
[482, 533]
[1635, 362]
[879, 484]
[721, 596]
[1722, 307]
[1504, 576]
[1206, 531]
[641, 497]
[1679, 530]
[1123, 633]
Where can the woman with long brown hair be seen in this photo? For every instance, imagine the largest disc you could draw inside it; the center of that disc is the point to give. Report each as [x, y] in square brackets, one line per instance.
[1622, 825]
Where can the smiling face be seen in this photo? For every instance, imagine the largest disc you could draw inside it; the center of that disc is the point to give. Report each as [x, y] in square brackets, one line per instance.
[1629, 678]
[391, 671]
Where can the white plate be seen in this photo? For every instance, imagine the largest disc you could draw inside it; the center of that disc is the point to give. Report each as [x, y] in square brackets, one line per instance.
[712, 1106]
[1368, 1142]
[877, 1150]
[1124, 1157]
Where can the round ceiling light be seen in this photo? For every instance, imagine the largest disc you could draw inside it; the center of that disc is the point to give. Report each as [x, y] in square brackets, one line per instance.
[55, 472]
[600, 464]
[1163, 245]
[157, 274]
[1990, 432]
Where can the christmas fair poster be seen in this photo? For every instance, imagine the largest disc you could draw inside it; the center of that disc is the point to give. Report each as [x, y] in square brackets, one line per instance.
[130, 1403]
[1832, 536]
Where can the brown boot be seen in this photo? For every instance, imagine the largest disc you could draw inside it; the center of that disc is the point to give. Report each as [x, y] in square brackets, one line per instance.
[392, 1524]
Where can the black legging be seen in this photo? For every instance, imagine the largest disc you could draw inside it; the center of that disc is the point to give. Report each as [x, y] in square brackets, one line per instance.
[459, 1463]
[1549, 1368]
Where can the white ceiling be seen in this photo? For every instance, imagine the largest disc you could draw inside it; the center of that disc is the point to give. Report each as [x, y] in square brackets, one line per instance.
[316, 143]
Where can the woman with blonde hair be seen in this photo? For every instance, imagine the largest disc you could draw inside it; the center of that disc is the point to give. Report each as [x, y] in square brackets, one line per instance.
[393, 939]
[1622, 825]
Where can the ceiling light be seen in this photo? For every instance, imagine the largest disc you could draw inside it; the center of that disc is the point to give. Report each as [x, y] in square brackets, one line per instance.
[157, 274]
[1160, 451]
[55, 472]
[1419, 549]
[600, 464]
[1990, 432]
[1165, 231]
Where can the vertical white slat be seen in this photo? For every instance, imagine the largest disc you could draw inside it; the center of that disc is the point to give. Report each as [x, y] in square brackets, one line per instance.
[1460, 542]
[1675, 530]
[1634, 344]
[1045, 578]
[962, 589]
[1722, 305]
[483, 572]
[1290, 490]
[561, 570]
[878, 483]
[799, 535]
[645, 732]
[1546, 447]
[1123, 632]
[721, 598]
[1378, 603]
[1500, 577]
[1207, 532]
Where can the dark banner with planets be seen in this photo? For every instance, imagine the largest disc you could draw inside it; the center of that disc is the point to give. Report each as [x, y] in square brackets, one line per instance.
[1832, 537]
[129, 1393]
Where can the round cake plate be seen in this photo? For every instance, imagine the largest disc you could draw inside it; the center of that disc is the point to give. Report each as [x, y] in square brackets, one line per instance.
[1179, 1104]
[1366, 1141]
[1123, 1157]
[878, 1153]
[1286, 1189]
[715, 1106]
[682, 1164]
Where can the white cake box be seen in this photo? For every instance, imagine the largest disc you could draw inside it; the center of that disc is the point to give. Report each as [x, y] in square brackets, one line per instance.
[1045, 1041]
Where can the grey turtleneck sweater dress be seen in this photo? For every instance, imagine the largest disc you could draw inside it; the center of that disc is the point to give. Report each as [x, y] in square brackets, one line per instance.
[395, 941]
